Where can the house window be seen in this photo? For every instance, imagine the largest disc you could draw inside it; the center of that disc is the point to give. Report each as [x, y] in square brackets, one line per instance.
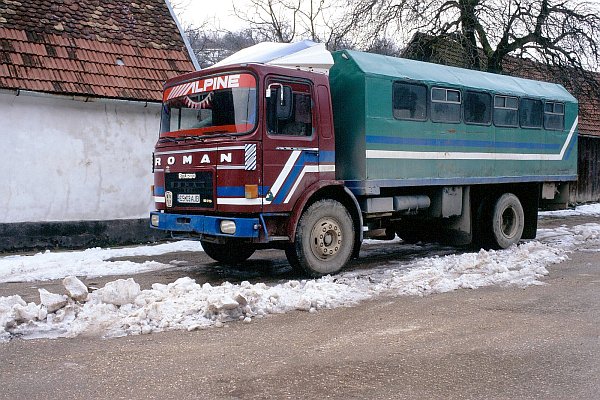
[409, 101]
[445, 105]
[554, 116]
[506, 111]
[478, 108]
[530, 113]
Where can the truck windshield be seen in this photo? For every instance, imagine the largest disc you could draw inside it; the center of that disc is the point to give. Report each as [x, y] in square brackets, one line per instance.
[214, 105]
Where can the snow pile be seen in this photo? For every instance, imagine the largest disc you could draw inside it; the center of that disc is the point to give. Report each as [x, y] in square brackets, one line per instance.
[90, 262]
[121, 308]
[587, 209]
[521, 265]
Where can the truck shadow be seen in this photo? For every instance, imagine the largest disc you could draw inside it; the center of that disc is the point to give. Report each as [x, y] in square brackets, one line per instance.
[271, 266]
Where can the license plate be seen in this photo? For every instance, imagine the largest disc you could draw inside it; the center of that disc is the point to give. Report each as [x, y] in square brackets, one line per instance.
[188, 198]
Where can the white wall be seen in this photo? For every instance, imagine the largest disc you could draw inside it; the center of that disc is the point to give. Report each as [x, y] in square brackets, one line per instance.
[69, 160]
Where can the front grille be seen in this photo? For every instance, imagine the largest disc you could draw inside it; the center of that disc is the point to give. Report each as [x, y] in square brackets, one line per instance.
[191, 189]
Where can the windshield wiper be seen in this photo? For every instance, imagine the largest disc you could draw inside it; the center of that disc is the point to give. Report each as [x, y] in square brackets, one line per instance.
[221, 133]
[199, 137]
[168, 139]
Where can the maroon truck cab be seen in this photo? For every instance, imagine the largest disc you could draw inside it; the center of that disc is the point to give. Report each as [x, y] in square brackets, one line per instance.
[242, 149]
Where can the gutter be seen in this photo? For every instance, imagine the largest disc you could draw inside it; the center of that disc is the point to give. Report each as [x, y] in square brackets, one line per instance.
[184, 37]
[81, 98]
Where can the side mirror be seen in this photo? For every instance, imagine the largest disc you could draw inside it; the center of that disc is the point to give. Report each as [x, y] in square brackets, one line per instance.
[283, 99]
[285, 104]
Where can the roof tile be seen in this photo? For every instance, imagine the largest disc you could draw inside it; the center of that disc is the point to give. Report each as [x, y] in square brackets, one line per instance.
[72, 46]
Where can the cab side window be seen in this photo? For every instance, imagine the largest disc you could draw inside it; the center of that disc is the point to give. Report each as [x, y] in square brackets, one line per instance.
[299, 120]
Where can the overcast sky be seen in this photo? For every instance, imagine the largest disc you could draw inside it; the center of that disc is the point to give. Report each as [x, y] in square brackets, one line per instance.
[218, 13]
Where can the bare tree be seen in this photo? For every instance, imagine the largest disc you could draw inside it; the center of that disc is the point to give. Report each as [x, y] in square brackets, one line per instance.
[275, 20]
[563, 33]
[324, 21]
[211, 45]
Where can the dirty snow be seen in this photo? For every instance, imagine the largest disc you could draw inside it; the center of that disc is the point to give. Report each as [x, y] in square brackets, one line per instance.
[90, 262]
[586, 209]
[121, 308]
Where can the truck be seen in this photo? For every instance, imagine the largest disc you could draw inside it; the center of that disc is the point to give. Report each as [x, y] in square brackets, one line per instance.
[296, 148]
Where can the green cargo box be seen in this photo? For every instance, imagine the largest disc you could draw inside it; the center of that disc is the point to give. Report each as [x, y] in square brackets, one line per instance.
[376, 149]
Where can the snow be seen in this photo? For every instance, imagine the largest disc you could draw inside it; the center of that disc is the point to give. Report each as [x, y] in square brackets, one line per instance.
[586, 209]
[75, 289]
[90, 262]
[122, 308]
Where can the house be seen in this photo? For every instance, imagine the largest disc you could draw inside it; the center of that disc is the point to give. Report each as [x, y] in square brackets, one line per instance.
[80, 102]
[449, 51]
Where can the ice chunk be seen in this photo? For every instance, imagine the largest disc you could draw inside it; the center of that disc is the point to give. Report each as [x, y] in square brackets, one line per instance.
[75, 288]
[7, 315]
[304, 304]
[27, 313]
[7, 303]
[224, 302]
[242, 301]
[52, 301]
[119, 292]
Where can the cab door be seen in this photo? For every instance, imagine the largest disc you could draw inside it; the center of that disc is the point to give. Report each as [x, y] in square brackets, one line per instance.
[290, 144]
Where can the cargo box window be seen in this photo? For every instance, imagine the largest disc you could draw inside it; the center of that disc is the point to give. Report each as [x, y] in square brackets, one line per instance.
[554, 116]
[410, 101]
[506, 111]
[478, 108]
[445, 105]
[530, 113]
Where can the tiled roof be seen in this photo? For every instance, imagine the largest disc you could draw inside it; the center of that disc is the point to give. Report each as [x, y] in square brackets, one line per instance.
[99, 48]
[589, 99]
[450, 52]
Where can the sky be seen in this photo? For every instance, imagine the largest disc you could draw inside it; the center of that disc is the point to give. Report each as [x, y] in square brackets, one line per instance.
[218, 13]
[121, 308]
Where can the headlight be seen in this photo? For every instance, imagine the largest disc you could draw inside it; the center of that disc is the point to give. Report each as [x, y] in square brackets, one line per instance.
[154, 219]
[228, 227]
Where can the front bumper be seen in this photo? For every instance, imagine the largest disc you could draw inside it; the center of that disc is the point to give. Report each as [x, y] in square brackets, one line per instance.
[204, 224]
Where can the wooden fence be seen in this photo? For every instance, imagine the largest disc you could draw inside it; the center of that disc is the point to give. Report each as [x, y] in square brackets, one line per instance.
[588, 170]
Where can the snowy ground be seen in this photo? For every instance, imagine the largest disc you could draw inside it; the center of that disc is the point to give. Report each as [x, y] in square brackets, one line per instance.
[121, 308]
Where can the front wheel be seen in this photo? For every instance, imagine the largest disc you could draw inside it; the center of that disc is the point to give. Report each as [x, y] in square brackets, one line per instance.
[324, 239]
[229, 253]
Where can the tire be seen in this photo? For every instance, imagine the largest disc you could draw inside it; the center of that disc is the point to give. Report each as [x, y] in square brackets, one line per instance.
[481, 224]
[324, 239]
[292, 257]
[228, 253]
[508, 221]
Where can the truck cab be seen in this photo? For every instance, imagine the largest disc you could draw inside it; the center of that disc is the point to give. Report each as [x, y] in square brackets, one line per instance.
[242, 148]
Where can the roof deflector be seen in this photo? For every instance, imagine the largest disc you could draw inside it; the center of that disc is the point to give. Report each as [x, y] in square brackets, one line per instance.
[304, 55]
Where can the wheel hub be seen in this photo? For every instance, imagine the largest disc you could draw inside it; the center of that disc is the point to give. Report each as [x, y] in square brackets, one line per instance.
[509, 224]
[326, 238]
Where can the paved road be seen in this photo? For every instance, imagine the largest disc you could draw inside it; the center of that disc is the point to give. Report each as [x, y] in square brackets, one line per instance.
[542, 342]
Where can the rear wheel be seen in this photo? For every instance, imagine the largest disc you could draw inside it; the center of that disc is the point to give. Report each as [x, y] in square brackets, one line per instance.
[324, 239]
[508, 220]
[229, 253]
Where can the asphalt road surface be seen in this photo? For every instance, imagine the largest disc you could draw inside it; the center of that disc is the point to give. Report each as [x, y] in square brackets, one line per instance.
[542, 342]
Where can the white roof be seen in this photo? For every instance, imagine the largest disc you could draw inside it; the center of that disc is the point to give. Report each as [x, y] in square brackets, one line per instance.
[305, 55]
